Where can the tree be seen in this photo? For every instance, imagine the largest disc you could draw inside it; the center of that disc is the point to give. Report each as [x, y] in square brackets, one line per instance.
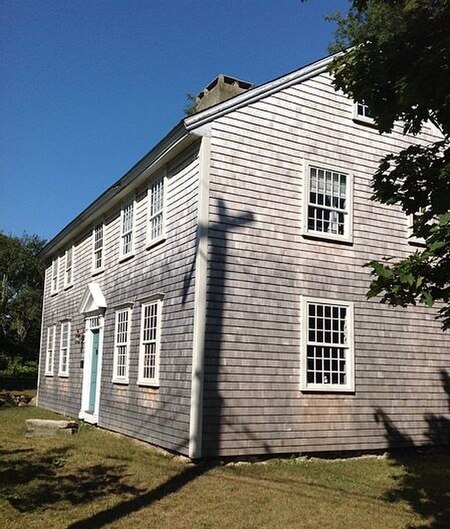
[395, 56]
[21, 284]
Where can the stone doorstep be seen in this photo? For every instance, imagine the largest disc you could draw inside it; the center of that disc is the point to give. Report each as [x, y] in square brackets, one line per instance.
[48, 427]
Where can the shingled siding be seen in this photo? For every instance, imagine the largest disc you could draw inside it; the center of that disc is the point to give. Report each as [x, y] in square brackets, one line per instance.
[157, 415]
[259, 265]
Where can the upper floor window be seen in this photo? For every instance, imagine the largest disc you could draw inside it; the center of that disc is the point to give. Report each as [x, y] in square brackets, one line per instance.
[50, 350]
[361, 112]
[328, 203]
[327, 345]
[126, 238]
[64, 349]
[121, 345]
[156, 220]
[55, 276]
[68, 268]
[98, 247]
[149, 347]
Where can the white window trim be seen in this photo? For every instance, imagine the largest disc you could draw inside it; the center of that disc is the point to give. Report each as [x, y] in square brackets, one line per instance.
[150, 381]
[359, 118]
[51, 338]
[122, 379]
[153, 242]
[65, 373]
[348, 236]
[54, 279]
[101, 268]
[68, 284]
[350, 360]
[412, 239]
[122, 256]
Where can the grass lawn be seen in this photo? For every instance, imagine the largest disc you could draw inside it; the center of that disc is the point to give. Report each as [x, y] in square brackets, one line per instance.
[95, 479]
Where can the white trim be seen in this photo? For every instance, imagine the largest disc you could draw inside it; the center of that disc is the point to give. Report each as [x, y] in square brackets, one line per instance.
[348, 224]
[68, 284]
[85, 413]
[350, 360]
[360, 118]
[49, 366]
[94, 269]
[155, 380]
[65, 373]
[93, 299]
[116, 378]
[54, 279]
[201, 263]
[161, 177]
[122, 256]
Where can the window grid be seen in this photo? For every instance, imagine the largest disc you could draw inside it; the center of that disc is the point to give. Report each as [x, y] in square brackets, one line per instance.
[55, 270]
[328, 202]
[327, 344]
[149, 342]
[98, 246]
[362, 110]
[127, 229]
[51, 335]
[121, 346]
[64, 349]
[156, 210]
[68, 275]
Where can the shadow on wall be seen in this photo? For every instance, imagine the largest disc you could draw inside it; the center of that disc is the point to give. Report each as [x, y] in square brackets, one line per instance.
[424, 482]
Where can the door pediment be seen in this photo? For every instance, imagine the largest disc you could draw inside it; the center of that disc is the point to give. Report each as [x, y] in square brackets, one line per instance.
[93, 299]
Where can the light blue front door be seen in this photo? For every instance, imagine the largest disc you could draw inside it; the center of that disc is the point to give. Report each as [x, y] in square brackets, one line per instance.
[94, 365]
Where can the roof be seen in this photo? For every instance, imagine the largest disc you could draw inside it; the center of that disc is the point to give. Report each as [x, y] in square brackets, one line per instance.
[175, 141]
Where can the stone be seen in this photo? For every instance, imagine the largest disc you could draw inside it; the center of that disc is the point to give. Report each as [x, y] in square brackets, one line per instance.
[48, 427]
[32, 402]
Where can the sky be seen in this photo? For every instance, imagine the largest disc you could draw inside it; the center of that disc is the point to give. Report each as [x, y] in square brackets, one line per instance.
[87, 87]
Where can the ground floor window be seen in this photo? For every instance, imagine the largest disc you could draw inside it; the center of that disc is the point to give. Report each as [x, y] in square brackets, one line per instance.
[327, 345]
[149, 342]
[121, 345]
[50, 350]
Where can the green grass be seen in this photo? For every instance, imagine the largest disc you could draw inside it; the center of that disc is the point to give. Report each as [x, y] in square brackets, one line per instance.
[96, 479]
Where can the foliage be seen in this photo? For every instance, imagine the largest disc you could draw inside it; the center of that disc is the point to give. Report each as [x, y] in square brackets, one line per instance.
[21, 283]
[191, 105]
[398, 62]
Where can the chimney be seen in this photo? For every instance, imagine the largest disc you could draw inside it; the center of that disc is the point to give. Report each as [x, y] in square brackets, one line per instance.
[222, 88]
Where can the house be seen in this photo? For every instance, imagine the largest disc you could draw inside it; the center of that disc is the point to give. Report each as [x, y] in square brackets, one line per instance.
[212, 301]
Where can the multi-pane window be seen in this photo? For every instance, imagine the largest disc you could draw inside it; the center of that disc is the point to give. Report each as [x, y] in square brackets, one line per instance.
[327, 361]
[149, 348]
[328, 203]
[64, 349]
[68, 268]
[98, 247]
[126, 240]
[361, 112]
[55, 276]
[121, 345]
[156, 211]
[50, 350]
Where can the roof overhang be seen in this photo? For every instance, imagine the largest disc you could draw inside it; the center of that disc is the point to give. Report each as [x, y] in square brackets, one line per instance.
[93, 299]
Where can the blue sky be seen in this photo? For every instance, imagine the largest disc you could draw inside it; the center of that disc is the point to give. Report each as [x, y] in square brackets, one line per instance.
[88, 87]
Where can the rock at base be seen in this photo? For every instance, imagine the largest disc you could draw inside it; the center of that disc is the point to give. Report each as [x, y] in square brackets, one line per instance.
[48, 427]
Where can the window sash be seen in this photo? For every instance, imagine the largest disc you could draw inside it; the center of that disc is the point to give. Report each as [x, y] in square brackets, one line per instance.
[55, 275]
[150, 342]
[97, 246]
[127, 214]
[156, 200]
[121, 345]
[64, 349]
[68, 275]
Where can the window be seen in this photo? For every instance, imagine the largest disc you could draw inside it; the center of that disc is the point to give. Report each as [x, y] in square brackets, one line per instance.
[156, 219]
[97, 248]
[55, 276]
[149, 346]
[361, 112]
[68, 269]
[64, 349]
[412, 237]
[121, 346]
[328, 203]
[49, 357]
[327, 345]
[126, 239]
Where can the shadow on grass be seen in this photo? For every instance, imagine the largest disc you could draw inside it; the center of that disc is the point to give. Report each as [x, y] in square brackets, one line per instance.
[37, 481]
[424, 482]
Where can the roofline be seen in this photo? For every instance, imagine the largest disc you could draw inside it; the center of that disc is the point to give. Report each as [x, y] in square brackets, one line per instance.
[258, 92]
[116, 190]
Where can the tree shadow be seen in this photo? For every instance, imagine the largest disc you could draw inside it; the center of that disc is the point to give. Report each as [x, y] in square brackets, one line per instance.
[36, 481]
[424, 481]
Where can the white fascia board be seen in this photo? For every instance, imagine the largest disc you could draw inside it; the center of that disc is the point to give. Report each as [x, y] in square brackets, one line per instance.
[257, 93]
